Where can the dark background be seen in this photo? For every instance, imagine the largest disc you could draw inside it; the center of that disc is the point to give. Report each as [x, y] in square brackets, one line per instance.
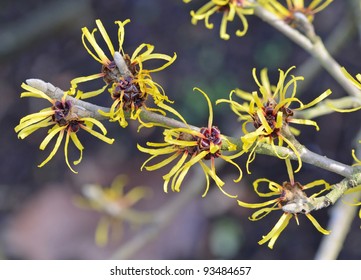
[42, 39]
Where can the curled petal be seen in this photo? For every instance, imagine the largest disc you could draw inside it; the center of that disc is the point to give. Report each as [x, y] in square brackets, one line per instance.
[275, 189]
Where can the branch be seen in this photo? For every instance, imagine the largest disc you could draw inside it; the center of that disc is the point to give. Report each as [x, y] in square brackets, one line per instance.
[86, 109]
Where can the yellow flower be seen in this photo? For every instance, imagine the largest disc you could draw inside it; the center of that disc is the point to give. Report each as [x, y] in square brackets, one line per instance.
[130, 83]
[196, 147]
[296, 9]
[63, 118]
[115, 205]
[110, 71]
[290, 195]
[270, 113]
[229, 8]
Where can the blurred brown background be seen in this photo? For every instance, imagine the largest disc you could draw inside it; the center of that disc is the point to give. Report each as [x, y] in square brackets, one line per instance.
[42, 39]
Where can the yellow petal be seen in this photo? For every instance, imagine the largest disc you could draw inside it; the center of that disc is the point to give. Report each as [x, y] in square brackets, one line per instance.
[317, 225]
[234, 164]
[56, 129]
[98, 135]
[26, 131]
[305, 122]
[66, 145]
[329, 103]
[273, 187]
[223, 30]
[242, 32]
[78, 145]
[35, 118]
[216, 179]
[210, 118]
[273, 235]
[317, 100]
[176, 167]
[264, 122]
[105, 36]
[100, 55]
[257, 205]
[55, 149]
[314, 3]
[33, 92]
[96, 122]
[149, 49]
[162, 163]
[261, 213]
[352, 79]
[293, 148]
[121, 32]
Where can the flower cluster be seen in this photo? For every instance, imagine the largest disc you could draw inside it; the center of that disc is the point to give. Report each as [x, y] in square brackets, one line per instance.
[294, 13]
[267, 115]
[115, 205]
[290, 195]
[196, 146]
[64, 120]
[229, 9]
[129, 84]
[270, 113]
[128, 81]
